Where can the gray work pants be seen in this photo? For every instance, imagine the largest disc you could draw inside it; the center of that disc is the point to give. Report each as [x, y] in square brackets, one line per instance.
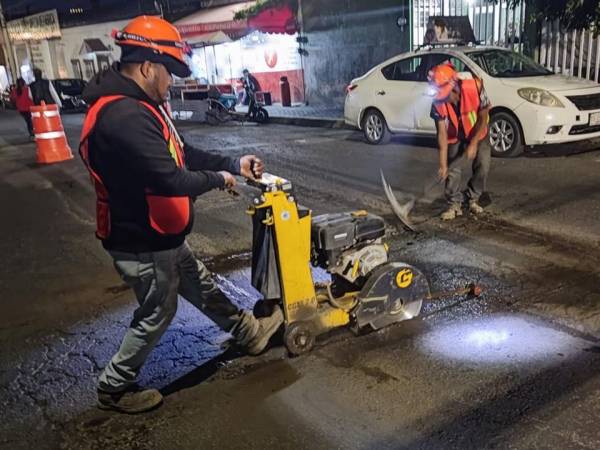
[480, 167]
[157, 278]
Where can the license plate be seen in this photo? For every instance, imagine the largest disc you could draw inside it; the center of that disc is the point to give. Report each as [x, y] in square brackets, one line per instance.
[594, 119]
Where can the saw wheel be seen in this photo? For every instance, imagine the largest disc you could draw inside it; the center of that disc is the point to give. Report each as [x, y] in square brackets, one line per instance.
[392, 293]
[299, 338]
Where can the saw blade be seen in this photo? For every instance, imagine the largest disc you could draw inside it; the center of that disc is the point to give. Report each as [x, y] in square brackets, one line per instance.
[392, 293]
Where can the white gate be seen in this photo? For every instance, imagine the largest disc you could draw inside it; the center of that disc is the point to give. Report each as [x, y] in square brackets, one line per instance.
[494, 23]
[575, 53]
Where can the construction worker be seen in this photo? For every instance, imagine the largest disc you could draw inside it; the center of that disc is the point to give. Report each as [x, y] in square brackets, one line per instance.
[460, 110]
[146, 179]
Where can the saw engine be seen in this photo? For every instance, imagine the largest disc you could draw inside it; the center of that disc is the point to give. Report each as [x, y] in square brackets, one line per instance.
[350, 247]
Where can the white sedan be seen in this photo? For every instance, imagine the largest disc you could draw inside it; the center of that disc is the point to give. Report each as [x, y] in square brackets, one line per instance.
[530, 104]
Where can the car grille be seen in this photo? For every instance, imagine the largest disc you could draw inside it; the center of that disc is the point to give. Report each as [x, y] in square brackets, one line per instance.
[584, 129]
[586, 102]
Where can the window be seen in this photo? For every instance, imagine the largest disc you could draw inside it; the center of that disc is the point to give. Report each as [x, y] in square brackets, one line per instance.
[410, 69]
[438, 58]
[507, 64]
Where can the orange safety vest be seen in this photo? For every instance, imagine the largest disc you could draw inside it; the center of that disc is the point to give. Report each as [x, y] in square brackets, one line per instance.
[469, 107]
[166, 215]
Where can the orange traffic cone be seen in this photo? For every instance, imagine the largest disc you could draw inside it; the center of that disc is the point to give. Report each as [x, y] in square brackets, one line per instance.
[52, 145]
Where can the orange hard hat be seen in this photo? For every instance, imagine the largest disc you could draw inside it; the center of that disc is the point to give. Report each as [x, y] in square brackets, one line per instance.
[157, 37]
[442, 78]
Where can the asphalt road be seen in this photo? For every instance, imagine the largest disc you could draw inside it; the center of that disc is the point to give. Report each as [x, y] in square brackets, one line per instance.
[517, 368]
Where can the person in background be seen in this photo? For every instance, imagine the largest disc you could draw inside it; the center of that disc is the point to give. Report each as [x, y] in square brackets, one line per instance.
[42, 90]
[251, 85]
[460, 110]
[20, 96]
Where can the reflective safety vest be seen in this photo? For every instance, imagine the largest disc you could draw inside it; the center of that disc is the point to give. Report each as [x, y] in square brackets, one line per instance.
[469, 107]
[166, 215]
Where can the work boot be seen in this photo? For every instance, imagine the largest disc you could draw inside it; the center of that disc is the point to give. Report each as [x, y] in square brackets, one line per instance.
[475, 207]
[453, 211]
[267, 327]
[130, 401]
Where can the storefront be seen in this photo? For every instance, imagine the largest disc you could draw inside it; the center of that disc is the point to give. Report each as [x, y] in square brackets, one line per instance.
[33, 38]
[77, 52]
[86, 50]
[265, 44]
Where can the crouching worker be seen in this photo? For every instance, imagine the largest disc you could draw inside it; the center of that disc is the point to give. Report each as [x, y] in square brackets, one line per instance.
[460, 110]
[145, 179]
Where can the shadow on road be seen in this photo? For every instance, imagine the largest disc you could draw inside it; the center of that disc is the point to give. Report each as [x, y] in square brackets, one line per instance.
[201, 373]
[491, 423]
[562, 150]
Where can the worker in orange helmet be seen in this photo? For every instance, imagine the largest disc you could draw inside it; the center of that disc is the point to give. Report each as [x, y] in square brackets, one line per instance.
[146, 179]
[460, 110]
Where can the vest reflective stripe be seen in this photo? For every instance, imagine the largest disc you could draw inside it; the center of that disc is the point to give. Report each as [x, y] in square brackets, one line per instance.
[469, 107]
[166, 215]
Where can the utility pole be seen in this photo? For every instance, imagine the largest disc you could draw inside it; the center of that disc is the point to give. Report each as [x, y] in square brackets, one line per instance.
[8, 49]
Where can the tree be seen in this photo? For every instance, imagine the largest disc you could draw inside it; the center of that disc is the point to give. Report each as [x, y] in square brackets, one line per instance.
[573, 14]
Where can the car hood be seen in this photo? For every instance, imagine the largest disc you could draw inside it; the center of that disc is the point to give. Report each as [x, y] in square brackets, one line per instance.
[554, 83]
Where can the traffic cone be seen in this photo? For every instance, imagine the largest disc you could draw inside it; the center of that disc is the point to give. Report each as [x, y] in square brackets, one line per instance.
[52, 145]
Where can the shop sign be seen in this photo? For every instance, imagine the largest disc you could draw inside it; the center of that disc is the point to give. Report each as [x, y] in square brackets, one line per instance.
[38, 26]
[230, 27]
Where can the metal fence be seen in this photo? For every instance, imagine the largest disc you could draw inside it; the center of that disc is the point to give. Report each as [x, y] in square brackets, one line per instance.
[575, 53]
[494, 23]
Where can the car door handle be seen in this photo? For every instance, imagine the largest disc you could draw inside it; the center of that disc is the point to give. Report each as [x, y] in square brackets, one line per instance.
[380, 92]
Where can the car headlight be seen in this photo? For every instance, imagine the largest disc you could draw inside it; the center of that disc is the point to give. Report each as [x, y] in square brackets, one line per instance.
[540, 97]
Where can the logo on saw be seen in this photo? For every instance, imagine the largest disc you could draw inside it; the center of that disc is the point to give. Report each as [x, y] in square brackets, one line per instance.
[404, 278]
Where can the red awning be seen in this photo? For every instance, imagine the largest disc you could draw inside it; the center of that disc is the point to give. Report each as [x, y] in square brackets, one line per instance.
[271, 20]
[274, 20]
[233, 28]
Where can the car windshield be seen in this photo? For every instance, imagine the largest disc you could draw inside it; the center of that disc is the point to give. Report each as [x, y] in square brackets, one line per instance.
[507, 64]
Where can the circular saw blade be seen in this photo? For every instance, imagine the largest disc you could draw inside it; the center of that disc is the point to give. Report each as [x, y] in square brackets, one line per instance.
[392, 293]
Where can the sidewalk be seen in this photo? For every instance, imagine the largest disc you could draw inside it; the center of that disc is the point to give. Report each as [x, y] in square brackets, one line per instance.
[304, 115]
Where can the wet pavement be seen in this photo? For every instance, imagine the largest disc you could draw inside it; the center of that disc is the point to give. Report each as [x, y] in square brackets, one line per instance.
[515, 368]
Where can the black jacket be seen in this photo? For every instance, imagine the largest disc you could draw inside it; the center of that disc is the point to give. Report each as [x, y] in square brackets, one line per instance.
[40, 90]
[128, 150]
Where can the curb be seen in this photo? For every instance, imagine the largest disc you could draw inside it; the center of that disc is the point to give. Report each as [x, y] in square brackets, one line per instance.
[315, 122]
[318, 122]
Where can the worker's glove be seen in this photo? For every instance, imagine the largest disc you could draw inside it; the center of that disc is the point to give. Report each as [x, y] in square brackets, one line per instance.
[230, 180]
[251, 167]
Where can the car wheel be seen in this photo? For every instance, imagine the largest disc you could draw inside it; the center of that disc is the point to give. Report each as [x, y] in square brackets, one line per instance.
[505, 136]
[375, 128]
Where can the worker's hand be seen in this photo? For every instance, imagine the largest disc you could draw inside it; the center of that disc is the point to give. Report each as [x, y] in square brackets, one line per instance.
[251, 167]
[471, 151]
[443, 171]
[229, 179]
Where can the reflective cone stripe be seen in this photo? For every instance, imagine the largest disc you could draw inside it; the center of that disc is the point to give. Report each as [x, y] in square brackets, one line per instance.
[50, 135]
[52, 145]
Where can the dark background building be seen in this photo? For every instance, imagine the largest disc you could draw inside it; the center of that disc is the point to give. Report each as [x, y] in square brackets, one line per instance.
[87, 12]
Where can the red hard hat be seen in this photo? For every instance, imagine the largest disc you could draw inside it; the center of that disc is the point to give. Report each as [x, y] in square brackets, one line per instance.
[443, 79]
[158, 35]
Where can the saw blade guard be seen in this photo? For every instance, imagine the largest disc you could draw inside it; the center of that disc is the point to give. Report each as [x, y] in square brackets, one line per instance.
[392, 293]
